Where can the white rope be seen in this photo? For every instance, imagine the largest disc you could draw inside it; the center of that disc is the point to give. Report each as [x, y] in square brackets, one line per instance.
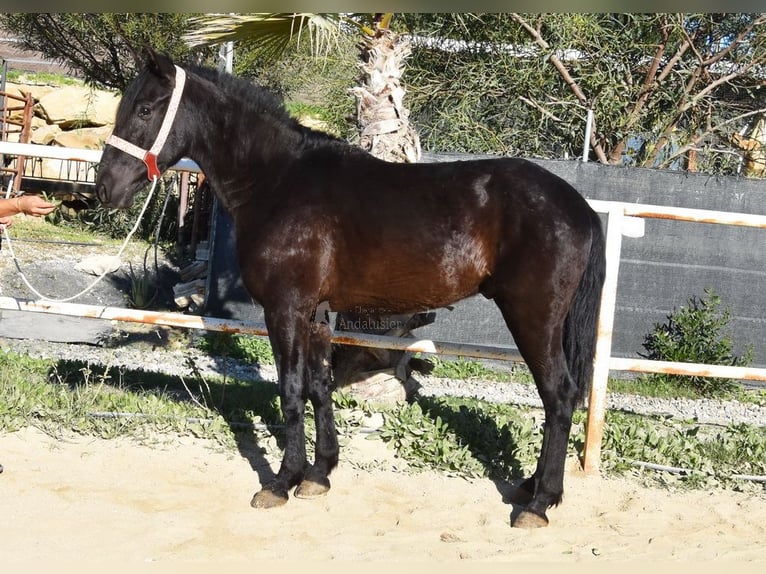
[100, 277]
[148, 157]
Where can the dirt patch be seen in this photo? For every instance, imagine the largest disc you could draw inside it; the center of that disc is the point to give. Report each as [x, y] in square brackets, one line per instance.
[79, 498]
[53, 269]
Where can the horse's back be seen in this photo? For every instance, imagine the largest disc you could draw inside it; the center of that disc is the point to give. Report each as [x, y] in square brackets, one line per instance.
[502, 183]
[507, 201]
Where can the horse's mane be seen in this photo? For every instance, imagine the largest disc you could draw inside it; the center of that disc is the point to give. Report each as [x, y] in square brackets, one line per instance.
[262, 100]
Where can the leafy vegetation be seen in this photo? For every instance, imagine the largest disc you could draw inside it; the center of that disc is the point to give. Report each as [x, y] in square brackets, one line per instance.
[458, 436]
[695, 334]
[247, 348]
[698, 456]
[76, 396]
[462, 368]
[29, 229]
[520, 84]
[25, 77]
[465, 437]
[103, 48]
[318, 87]
[644, 386]
[517, 84]
[473, 438]
[142, 288]
[159, 221]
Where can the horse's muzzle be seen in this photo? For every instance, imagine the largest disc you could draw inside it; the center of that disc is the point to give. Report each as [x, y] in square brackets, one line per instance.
[105, 194]
[102, 194]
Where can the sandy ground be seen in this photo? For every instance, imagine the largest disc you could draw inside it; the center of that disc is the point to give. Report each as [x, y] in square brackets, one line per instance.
[88, 499]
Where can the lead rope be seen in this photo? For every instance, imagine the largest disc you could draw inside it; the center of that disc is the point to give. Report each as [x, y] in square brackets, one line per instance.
[100, 277]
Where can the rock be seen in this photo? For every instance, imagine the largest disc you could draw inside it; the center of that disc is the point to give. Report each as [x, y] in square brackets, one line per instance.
[86, 138]
[44, 134]
[72, 116]
[37, 90]
[373, 421]
[98, 264]
[378, 387]
[76, 106]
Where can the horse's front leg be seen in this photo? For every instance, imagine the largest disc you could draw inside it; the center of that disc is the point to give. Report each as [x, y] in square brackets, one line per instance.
[320, 387]
[289, 335]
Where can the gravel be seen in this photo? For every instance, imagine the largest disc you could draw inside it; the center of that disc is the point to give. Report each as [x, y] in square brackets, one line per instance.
[708, 411]
[154, 350]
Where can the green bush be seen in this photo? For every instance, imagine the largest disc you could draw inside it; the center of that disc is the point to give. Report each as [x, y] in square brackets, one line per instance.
[117, 223]
[695, 334]
[249, 348]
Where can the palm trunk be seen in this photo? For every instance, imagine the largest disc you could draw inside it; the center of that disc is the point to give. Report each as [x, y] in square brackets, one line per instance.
[384, 131]
[384, 127]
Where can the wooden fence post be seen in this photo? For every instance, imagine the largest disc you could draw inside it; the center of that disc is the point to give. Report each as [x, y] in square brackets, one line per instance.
[594, 429]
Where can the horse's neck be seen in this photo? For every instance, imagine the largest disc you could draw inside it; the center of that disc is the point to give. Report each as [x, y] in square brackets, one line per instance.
[242, 157]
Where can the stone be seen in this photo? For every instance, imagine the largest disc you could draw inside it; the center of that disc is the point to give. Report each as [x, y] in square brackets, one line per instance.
[87, 138]
[44, 134]
[76, 106]
[98, 264]
[377, 387]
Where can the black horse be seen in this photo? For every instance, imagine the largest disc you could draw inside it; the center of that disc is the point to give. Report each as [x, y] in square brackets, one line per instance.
[319, 221]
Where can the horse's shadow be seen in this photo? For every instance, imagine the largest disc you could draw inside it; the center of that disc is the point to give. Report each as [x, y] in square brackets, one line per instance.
[251, 450]
[477, 430]
[236, 402]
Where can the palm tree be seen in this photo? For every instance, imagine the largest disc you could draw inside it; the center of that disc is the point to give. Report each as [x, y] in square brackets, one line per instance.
[382, 120]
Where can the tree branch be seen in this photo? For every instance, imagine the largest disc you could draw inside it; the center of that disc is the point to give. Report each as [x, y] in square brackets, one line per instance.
[647, 88]
[539, 107]
[566, 76]
[711, 130]
[736, 42]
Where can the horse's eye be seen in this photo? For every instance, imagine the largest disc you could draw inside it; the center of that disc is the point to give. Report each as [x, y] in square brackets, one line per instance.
[144, 112]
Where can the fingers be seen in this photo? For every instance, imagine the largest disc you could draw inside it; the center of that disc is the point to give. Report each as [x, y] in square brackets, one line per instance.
[35, 205]
[42, 210]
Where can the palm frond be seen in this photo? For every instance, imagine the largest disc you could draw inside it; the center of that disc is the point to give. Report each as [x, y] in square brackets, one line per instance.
[271, 33]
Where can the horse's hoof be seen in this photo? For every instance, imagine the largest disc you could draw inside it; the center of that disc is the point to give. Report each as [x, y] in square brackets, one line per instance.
[268, 499]
[529, 520]
[311, 489]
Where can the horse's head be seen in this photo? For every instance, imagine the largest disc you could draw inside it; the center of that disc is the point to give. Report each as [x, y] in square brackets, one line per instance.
[144, 142]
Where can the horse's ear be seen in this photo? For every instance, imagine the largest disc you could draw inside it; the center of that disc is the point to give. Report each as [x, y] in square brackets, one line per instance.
[159, 64]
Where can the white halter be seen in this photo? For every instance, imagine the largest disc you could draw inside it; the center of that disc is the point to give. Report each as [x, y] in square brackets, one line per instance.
[149, 157]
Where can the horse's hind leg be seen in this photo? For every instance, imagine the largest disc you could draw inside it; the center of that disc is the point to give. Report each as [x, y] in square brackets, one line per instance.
[538, 334]
[315, 482]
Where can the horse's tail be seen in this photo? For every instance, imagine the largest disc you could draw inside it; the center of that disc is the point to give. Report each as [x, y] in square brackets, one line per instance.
[581, 325]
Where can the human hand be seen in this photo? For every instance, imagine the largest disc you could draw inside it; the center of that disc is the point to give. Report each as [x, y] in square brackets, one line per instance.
[34, 205]
[6, 221]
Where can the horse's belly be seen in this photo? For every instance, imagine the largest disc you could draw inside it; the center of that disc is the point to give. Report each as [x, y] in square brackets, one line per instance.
[406, 291]
[404, 277]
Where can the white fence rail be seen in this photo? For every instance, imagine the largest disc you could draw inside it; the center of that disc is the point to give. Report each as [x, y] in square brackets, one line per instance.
[622, 220]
